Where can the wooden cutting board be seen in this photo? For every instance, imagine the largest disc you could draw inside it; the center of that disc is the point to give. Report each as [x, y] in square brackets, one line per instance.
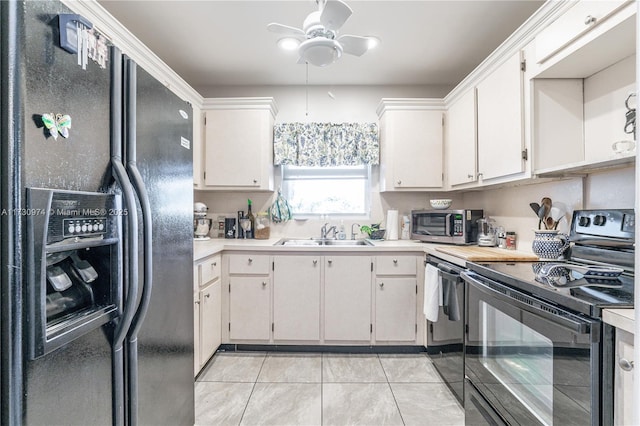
[487, 254]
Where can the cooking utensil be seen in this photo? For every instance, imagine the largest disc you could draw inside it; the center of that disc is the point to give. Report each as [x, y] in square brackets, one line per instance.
[535, 207]
[541, 217]
[549, 222]
[545, 204]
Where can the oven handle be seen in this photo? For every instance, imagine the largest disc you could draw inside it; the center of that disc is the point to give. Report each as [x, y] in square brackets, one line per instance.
[576, 325]
[449, 269]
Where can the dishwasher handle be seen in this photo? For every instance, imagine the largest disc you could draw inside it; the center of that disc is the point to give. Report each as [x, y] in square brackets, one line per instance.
[528, 303]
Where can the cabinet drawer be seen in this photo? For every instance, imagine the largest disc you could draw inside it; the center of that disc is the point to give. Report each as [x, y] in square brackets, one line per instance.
[210, 269]
[576, 21]
[395, 265]
[248, 264]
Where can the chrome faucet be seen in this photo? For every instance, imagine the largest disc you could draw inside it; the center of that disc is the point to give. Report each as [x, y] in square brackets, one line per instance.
[353, 234]
[324, 231]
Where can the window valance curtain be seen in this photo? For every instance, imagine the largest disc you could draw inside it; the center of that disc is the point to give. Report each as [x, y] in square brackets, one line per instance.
[325, 144]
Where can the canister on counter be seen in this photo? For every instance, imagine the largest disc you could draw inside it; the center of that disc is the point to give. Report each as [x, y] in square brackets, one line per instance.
[221, 231]
[263, 226]
[230, 227]
[511, 240]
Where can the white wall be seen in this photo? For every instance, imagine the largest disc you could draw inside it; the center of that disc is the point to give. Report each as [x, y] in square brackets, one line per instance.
[227, 204]
[510, 206]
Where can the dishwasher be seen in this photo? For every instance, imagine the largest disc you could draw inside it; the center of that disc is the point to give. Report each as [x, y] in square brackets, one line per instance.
[445, 337]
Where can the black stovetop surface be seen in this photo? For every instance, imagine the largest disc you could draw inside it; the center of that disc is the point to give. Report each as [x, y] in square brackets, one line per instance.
[588, 299]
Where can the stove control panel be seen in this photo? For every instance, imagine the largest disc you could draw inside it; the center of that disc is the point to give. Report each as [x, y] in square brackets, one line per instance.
[616, 224]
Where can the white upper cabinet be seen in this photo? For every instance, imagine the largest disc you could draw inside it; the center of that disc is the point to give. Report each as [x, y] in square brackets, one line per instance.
[500, 121]
[460, 146]
[581, 18]
[579, 92]
[238, 148]
[411, 144]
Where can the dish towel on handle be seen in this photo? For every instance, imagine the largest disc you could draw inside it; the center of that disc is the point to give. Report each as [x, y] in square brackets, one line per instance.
[432, 293]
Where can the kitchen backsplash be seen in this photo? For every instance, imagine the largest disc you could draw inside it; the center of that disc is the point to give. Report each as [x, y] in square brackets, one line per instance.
[508, 206]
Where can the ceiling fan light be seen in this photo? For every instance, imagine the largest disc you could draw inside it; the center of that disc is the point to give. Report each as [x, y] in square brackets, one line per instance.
[372, 42]
[320, 51]
[288, 43]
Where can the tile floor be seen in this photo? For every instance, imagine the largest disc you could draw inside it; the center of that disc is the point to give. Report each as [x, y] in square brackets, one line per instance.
[257, 388]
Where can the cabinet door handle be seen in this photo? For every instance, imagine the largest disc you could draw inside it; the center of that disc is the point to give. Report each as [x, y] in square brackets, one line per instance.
[470, 176]
[329, 261]
[214, 264]
[250, 260]
[381, 285]
[208, 295]
[625, 364]
[255, 181]
[399, 182]
[197, 302]
[264, 283]
[315, 262]
[590, 19]
[395, 261]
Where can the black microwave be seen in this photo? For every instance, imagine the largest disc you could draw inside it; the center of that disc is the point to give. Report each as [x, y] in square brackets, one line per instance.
[445, 226]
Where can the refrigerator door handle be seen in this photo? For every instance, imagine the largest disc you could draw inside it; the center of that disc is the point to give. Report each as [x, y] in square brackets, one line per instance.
[130, 303]
[145, 206]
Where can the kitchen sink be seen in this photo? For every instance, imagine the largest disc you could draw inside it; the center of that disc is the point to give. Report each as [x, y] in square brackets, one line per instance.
[321, 242]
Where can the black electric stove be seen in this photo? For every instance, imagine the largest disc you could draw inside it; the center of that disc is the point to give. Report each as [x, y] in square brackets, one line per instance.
[600, 238]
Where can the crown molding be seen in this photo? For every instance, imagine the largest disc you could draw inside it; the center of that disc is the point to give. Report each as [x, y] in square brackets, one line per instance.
[130, 45]
[404, 104]
[262, 103]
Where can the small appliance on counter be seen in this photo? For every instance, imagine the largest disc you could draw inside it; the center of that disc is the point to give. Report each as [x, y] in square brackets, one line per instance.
[201, 224]
[486, 232]
[445, 226]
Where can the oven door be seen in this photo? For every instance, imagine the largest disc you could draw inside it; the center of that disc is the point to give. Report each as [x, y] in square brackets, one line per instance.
[531, 361]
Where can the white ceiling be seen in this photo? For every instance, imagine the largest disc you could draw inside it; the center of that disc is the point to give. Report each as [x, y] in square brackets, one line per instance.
[221, 43]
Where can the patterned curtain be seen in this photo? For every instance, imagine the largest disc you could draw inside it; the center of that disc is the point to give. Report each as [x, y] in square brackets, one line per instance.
[325, 144]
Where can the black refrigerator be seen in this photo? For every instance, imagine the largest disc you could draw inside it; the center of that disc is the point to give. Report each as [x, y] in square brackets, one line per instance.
[96, 313]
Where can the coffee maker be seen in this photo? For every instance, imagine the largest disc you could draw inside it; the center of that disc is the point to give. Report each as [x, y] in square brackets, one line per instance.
[201, 224]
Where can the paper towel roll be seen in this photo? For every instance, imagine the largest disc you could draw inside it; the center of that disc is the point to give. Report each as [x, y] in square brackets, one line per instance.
[392, 224]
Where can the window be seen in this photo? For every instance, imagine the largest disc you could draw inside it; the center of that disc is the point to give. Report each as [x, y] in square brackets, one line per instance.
[336, 191]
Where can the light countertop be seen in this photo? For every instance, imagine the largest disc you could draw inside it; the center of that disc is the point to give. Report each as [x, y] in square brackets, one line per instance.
[202, 249]
[620, 318]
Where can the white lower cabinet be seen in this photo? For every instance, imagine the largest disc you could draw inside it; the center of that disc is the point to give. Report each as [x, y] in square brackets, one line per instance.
[249, 308]
[210, 320]
[196, 333]
[623, 390]
[326, 297]
[396, 298]
[207, 310]
[296, 298]
[347, 298]
[396, 309]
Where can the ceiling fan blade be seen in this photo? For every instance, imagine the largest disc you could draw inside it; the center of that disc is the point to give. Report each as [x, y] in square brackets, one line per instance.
[285, 29]
[334, 14]
[354, 45]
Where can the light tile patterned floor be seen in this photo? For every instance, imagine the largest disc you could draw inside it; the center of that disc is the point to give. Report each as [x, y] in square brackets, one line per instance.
[257, 388]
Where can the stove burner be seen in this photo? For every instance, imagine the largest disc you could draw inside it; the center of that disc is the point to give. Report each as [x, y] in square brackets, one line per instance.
[560, 275]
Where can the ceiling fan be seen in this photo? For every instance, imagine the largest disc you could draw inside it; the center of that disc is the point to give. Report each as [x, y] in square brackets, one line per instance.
[318, 42]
